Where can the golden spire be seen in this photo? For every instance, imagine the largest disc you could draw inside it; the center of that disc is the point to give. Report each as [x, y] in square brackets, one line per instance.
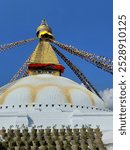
[43, 59]
[44, 54]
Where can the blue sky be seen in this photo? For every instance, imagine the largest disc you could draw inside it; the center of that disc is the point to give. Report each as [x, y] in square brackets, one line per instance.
[84, 24]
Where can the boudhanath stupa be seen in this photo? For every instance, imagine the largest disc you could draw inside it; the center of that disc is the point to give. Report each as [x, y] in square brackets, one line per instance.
[43, 99]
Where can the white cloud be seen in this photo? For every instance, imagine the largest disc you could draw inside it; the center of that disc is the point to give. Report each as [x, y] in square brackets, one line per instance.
[107, 95]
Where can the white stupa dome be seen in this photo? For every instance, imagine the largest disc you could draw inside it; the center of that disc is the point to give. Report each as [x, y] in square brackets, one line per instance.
[48, 89]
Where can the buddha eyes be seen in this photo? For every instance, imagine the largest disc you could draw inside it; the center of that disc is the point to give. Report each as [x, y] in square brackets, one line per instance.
[44, 71]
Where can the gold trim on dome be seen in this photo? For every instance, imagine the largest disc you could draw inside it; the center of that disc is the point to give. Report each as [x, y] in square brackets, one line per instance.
[3, 95]
[90, 96]
[66, 91]
[34, 89]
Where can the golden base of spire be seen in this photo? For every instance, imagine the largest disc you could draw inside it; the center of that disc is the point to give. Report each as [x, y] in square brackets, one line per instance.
[44, 54]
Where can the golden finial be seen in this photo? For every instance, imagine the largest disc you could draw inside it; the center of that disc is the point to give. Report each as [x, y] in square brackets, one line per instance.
[44, 32]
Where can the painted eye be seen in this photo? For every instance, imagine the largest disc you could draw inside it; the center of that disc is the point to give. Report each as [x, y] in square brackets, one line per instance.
[50, 71]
